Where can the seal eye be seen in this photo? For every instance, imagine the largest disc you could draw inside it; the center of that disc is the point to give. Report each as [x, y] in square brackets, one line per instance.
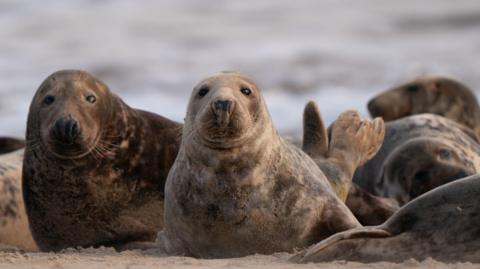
[48, 100]
[246, 91]
[444, 154]
[203, 91]
[413, 88]
[91, 99]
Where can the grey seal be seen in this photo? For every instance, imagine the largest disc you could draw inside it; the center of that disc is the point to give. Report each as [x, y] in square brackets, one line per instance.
[429, 94]
[238, 188]
[94, 169]
[443, 224]
[14, 228]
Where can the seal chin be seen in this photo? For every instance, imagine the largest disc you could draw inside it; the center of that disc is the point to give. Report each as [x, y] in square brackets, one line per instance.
[221, 144]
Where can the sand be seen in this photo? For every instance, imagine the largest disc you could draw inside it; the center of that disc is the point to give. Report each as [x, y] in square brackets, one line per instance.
[109, 258]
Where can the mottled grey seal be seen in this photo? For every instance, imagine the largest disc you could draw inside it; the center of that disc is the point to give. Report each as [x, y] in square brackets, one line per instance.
[238, 188]
[419, 153]
[443, 224]
[14, 230]
[367, 208]
[430, 94]
[9, 144]
[94, 168]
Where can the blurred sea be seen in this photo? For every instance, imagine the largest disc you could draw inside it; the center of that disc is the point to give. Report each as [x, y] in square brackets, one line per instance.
[339, 53]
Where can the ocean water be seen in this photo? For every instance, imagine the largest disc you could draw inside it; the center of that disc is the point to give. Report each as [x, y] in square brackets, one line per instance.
[339, 53]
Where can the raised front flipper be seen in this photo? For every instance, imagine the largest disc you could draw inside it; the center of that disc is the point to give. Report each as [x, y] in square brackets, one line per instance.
[315, 139]
[353, 142]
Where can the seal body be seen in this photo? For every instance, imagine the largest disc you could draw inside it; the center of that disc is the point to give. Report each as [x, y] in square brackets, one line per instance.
[14, 230]
[430, 94]
[94, 168]
[442, 224]
[419, 153]
[237, 187]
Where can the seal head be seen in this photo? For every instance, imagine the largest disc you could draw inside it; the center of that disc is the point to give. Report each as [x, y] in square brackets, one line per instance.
[430, 94]
[227, 117]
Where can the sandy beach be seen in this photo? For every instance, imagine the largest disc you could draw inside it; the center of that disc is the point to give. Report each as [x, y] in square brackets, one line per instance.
[108, 258]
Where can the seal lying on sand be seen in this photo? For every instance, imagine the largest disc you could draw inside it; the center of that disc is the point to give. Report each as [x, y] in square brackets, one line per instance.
[14, 230]
[419, 153]
[443, 224]
[94, 168]
[238, 188]
[437, 95]
[9, 144]
[367, 208]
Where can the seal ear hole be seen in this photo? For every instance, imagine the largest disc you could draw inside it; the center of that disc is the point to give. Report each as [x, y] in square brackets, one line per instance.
[246, 91]
[91, 98]
[444, 154]
[203, 91]
[49, 99]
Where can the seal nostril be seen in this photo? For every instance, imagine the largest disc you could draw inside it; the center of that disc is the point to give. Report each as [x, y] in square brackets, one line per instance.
[224, 105]
[65, 130]
[75, 129]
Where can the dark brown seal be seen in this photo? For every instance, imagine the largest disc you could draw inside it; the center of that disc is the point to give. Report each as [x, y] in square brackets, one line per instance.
[419, 153]
[238, 188]
[367, 208]
[443, 224]
[94, 168]
[431, 94]
[9, 144]
[14, 230]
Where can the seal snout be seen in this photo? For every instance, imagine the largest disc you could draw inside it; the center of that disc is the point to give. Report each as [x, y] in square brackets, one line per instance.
[66, 130]
[222, 105]
[374, 109]
[223, 108]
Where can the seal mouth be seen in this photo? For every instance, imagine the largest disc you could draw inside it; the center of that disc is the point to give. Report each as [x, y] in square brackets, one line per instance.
[221, 144]
[222, 138]
[50, 147]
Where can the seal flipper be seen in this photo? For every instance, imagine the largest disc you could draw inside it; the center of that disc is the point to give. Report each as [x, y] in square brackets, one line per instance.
[315, 139]
[355, 140]
[314, 253]
[9, 144]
